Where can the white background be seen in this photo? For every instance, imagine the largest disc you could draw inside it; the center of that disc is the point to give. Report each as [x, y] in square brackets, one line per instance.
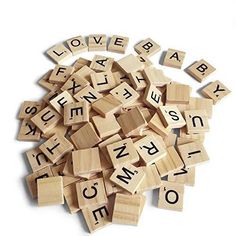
[204, 29]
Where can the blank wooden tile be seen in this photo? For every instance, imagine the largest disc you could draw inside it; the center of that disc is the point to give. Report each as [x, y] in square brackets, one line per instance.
[56, 147]
[137, 80]
[147, 47]
[174, 58]
[60, 74]
[101, 63]
[71, 198]
[122, 152]
[85, 73]
[107, 105]
[127, 209]
[178, 93]
[76, 113]
[152, 97]
[91, 192]
[31, 179]
[128, 177]
[152, 179]
[171, 117]
[196, 121]
[103, 81]
[106, 126]
[60, 101]
[118, 44]
[144, 59]
[170, 163]
[193, 153]
[37, 159]
[85, 137]
[86, 161]
[59, 53]
[29, 109]
[97, 216]
[150, 149]
[155, 77]
[28, 131]
[97, 42]
[184, 176]
[77, 45]
[157, 125]
[200, 70]
[131, 121]
[216, 91]
[88, 94]
[80, 62]
[50, 191]
[171, 196]
[129, 64]
[125, 94]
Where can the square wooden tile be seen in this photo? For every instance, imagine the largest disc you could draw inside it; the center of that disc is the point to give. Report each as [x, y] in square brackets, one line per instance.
[147, 47]
[178, 93]
[118, 44]
[97, 42]
[174, 58]
[184, 176]
[60, 74]
[152, 97]
[137, 80]
[101, 63]
[77, 45]
[29, 109]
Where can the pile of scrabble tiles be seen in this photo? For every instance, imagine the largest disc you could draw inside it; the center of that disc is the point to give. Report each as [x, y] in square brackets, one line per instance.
[111, 130]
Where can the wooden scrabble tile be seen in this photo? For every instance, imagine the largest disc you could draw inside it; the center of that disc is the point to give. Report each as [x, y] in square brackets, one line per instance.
[122, 152]
[74, 84]
[170, 163]
[171, 196]
[106, 126]
[28, 131]
[80, 63]
[110, 187]
[107, 105]
[129, 64]
[59, 53]
[200, 70]
[216, 91]
[77, 45]
[101, 63]
[91, 192]
[127, 209]
[150, 149]
[137, 80]
[56, 147]
[170, 139]
[156, 124]
[147, 47]
[118, 44]
[155, 77]
[103, 81]
[60, 74]
[171, 117]
[52, 94]
[88, 94]
[97, 216]
[60, 101]
[97, 42]
[37, 159]
[125, 94]
[60, 129]
[131, 121]
[178, 93]
[50, 191]
[85, 137]
[121, 77]
[193, 153]
[201, 104]
[192, 137]
[29, 109]
[152, 179]
[71, 198]
[44, 81]
[174, 58]
[75, 113]
[31, 179]
[184, 176]
[147, 132]
[196, 121]
[128, 177]
[86, 161]
[152, 97]
[144, 59]
[85, 72]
